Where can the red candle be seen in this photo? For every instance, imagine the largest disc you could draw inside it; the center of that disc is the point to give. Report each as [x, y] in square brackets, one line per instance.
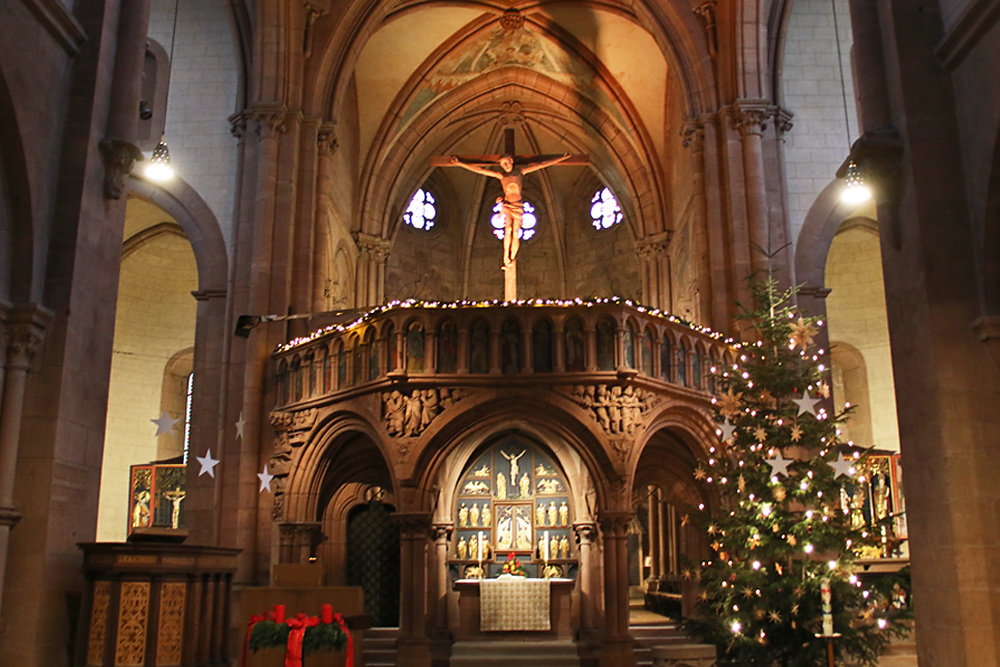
[279, 613]
[327, 614]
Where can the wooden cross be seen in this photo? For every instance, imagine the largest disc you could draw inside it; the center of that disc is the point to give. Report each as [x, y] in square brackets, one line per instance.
[509, 168]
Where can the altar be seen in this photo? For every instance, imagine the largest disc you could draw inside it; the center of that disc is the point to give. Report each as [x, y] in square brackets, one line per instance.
[491, 609]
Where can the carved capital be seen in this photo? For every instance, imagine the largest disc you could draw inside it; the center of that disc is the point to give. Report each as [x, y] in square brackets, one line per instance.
[693, 134]
[615, 523]
[238, 123]
[9, 516]
[269, 121]
[24, 334]
[783, 120]
[413, 525]
[441, 532]
[372, 248]
[586, 532]
[511, 20]
[655, 246]
[119, 156]
[326, 140]
[750, 120]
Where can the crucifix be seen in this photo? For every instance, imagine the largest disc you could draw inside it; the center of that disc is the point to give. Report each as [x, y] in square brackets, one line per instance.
[512, 167]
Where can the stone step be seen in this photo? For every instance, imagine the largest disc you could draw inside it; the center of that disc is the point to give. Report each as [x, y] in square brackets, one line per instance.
[380, 647]
[505, 653]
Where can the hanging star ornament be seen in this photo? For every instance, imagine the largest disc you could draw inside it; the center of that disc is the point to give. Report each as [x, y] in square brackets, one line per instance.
[841, 466]
[265, 480]
[760, 434]
[824, 389]
[239, 426]
[806, 404]
[796, 433]
[700, 473]
[727, 430]
[779, 464]
[729, 403]
[207, 464]
[802, 333]
[164, 424]
[774, 616]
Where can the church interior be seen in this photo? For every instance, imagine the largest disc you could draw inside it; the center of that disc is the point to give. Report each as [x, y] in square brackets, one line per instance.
[251, 299]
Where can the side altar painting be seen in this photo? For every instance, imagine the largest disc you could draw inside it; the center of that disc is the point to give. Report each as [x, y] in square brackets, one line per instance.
[156, 494]
[513, 500]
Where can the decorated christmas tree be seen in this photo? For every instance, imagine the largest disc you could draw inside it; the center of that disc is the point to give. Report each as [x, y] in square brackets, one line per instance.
[779, 585]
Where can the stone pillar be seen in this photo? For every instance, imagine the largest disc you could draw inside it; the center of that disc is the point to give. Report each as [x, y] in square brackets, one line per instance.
[654, 268]
[750, 118]
[463, 350]
[591, 335]
[373, 253]
[527, 344]
[723, 291]
[437, 622]
[326, 144]
[655, 535]
[586, 534]
[668, 537]
[496, 359]
[559, 362]
[22, 338]
[617, 648]
[413, 646]
[430, 351]
[694, 136]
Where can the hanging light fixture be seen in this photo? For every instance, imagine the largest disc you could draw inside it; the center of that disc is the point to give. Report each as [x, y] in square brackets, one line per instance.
[855, 191]
[159, 168]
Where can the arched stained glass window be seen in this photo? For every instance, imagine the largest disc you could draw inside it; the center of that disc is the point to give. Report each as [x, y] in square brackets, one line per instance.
[422, 212]
[604, 210]
[528, 221]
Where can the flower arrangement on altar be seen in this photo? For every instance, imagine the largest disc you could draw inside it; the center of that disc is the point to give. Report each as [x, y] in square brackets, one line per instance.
[513, 566]
[300, 635]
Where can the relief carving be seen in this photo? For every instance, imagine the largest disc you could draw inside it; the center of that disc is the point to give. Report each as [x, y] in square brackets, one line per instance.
[618, 410]
[407, 416]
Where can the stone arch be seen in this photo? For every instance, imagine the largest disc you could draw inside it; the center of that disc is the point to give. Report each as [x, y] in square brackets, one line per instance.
[200, 226]
[558, 423]
[679, 35]
[342, 448]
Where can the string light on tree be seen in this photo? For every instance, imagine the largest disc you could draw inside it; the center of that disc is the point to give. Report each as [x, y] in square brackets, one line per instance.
[774, 533]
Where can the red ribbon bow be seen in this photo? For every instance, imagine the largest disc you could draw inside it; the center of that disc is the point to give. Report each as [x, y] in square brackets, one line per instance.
[350, 640]
[254, 620]
[299, 624]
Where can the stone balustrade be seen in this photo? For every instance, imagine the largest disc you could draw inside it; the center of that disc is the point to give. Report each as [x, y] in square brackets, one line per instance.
[589, 339]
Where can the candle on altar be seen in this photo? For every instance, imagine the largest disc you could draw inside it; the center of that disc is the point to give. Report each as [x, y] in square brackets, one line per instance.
[479, 549]
[546, 546]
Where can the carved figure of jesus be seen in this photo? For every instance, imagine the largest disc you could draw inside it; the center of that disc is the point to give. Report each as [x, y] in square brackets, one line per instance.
[513, 466]
[513, 206]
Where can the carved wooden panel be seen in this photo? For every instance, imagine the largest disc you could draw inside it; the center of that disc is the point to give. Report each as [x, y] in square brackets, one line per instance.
[99, 623]
[170, 635]
[133, 618]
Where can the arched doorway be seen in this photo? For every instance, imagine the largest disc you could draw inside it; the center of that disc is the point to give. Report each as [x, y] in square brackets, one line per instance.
[373, 558]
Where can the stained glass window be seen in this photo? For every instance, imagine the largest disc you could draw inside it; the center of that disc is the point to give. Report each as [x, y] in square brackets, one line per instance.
[604, 210]
[528, 221]
[421, 213]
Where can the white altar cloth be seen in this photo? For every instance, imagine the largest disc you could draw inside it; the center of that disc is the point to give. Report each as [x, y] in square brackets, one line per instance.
[514, 603]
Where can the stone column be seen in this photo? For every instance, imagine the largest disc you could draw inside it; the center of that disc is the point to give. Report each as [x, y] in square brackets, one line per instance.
[527, 344]
[430, 351]
[463, 350]
[413, 646]
[694, 136]
[654, 266]
[373, 253]
[591, 335]
[750, 121]
[586, 534]
[23, 336]
[400, 361]
[326, 141]
[668, 538]
[616, 645]
[437, 623]
[559, 362]
[655, 535]
[496, 359]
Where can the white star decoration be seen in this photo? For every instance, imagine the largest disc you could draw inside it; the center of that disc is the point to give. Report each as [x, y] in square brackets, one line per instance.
[164, 424]
[727, 430]
[779, 464]
[207, 464]
[841, 466]
[239, 426]
[265, 480]
[806, 403]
